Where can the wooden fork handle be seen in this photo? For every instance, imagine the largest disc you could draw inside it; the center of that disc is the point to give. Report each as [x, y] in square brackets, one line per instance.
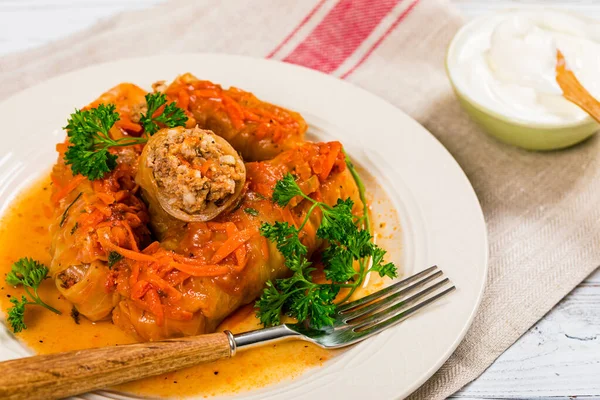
[61, 375]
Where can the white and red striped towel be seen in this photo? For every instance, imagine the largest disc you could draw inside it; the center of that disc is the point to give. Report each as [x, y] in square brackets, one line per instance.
[541, 208]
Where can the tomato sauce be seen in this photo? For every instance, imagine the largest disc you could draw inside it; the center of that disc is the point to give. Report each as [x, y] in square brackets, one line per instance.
[24, 233]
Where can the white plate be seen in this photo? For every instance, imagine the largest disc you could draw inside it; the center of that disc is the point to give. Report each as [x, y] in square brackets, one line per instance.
[441, 218]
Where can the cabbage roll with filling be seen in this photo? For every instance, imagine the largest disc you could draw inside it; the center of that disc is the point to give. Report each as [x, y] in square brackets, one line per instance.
[189, 174]
[201, 272]
[80, 266]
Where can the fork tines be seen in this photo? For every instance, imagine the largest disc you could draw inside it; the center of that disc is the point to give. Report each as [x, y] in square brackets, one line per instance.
[395, 303]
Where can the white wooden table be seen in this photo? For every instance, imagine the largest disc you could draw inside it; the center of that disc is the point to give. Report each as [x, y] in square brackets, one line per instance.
[559, 358]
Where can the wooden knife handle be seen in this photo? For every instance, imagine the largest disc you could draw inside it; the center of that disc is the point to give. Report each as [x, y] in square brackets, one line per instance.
[61, 375]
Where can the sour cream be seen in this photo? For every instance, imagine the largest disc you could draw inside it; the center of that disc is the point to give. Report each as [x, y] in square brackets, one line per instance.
[506, 63]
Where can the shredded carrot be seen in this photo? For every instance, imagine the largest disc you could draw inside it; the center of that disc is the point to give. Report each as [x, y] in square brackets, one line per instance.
[235, 112]
[55, 182]
[183, 99]
[103, 209]
[135, 273]
[133, 220]
[205, 167]
[230, 229]
[153, 300]
[210, 93]
[265, 248]
[121, 195]
[107, 245]
[105, 197]
[161, 268]
[98, 186]
[91, 219]
[139, 289]
[131, 236]
[203, 270]
[262, 131]
[232, 243]
[277, 133]
[68, 188]
[163, 285]
[218, 226]
[159, 111]
[273, 116]
[188, 260]
[176, 277]
[250, 116]
[240, 256]
[118, 235]
[264, 189]
[152, 248]
[213, 245]
[317, 196]
[334, 150]
[125, 123]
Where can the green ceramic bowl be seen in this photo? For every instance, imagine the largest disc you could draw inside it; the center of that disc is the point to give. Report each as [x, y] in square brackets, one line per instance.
[531, 136]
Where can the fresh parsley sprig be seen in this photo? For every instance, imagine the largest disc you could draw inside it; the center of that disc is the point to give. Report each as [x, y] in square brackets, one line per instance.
[89, 138]
[348, 241]
[29, 273]
[171, 116]
[88, 130]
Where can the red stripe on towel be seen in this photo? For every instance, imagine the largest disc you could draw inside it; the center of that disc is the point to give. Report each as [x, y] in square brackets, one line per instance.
[340, 33]
[397, 22]
[302, 23]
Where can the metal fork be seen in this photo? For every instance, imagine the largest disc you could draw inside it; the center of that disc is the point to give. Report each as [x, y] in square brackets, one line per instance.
[360, 319]
[61, 375]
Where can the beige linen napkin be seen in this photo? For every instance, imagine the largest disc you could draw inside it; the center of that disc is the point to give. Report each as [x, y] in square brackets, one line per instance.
[542, 209]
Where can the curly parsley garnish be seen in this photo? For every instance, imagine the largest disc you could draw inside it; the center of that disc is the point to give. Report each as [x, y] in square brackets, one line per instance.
[171, 116]
[89, 138]
[349, 240]
[88, 130]
[30, 274]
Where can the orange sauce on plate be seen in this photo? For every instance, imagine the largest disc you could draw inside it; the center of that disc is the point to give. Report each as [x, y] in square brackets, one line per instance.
[24, 233]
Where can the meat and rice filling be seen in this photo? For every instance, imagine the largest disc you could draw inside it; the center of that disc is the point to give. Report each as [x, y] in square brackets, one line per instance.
[194, 169]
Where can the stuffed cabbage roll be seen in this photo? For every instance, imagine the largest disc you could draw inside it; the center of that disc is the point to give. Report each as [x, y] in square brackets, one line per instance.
[190, 174]
[130, 103]
[80, 265]
[205, 207]
[203, 271]
[258, 130]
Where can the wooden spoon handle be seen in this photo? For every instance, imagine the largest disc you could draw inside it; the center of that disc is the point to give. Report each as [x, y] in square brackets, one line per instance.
[573, 90]
[61, 375]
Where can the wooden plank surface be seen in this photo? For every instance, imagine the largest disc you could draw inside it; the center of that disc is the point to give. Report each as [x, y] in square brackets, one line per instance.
[559, 358]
